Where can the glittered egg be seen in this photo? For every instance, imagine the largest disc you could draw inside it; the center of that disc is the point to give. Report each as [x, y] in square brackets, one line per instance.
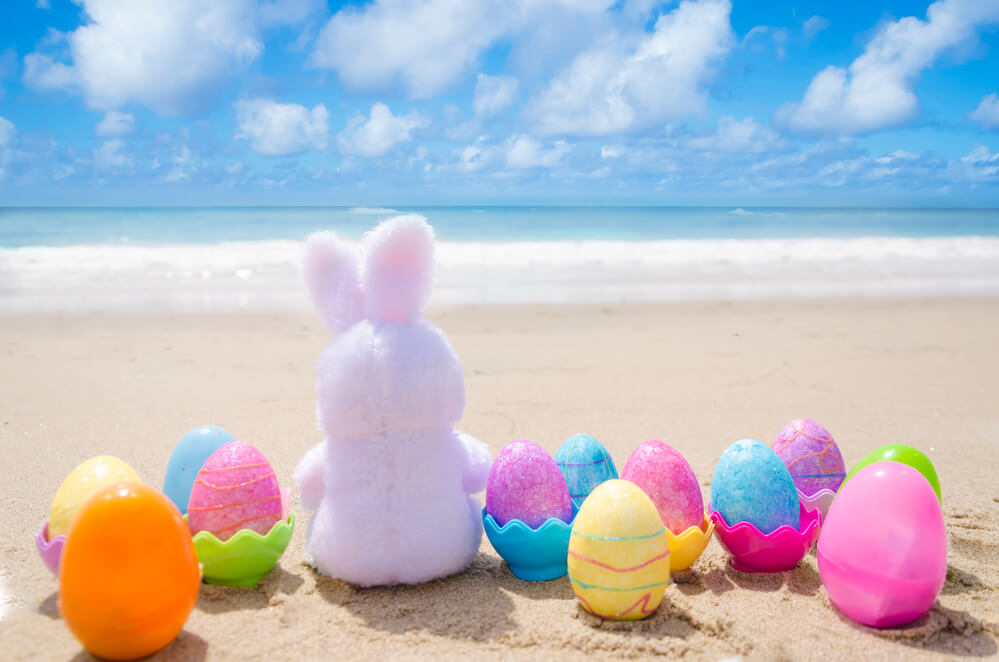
[235, 489]
[81, 483]
[882, 552]
[751, 484]
[585, 463]
[908, 455]
[811, 456]
[187, 458]
[525, 484]
[667, 478]
[618, 553]
[129, 576]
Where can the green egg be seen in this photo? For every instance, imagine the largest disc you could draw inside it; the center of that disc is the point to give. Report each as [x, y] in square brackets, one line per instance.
[904, 454]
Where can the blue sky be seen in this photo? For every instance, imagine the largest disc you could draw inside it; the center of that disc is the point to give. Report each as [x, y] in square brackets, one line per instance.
[128, 102]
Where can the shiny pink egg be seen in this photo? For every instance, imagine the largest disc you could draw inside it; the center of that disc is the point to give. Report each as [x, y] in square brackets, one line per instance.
[665, 475]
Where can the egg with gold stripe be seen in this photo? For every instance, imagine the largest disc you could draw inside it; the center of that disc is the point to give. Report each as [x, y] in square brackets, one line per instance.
[618, 554]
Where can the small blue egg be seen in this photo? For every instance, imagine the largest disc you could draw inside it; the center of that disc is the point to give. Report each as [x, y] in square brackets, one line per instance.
[752, 484]
[190, 453]
[584, 463]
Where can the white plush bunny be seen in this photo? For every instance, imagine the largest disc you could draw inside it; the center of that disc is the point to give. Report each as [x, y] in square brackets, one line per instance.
[391, 486]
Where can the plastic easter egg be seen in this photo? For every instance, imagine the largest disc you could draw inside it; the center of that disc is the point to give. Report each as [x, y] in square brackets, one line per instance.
[129, 576]
[667, 478]
[585, 463]
[906, 455]
[187, 458]
[811, 456]
[751, 484]
[81, 483]
[525, 484]
[882, 552]
[235, 489]
[618, 553]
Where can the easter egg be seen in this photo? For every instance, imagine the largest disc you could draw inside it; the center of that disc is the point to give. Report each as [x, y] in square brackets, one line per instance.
[618, 553]
[751, 484]
[185, 462]
[882, 552]
[82, 482]
[667, 478]
[129, 576]
[525, 484]
[585, 463]
[811, 456]
[235, 489]
[906, 455]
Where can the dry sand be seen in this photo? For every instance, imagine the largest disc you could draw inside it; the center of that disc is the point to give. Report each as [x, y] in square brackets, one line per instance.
[699, 376]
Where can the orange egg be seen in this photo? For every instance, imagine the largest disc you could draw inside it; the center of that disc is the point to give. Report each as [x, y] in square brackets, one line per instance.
[129, 576]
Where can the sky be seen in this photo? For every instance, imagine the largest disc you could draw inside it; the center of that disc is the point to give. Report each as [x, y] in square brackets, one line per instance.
[394, 102]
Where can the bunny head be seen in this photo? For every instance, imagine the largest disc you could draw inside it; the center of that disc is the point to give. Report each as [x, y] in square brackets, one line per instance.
[388, 369]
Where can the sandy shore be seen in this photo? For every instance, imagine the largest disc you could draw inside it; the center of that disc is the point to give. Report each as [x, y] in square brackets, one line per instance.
[699, 376]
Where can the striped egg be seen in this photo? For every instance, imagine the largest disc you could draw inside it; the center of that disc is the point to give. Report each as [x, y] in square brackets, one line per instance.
[811, 455]
[235, 489]
[618, 555]
[584, 463]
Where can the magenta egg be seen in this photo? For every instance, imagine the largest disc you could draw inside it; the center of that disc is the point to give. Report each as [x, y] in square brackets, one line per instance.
[665, 475]
[235, 489]
[882, 552]
[811, 455]
[525, 484]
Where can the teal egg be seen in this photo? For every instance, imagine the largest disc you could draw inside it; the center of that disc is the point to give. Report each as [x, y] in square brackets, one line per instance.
[190, 453]
[752, 484]
[584, 463]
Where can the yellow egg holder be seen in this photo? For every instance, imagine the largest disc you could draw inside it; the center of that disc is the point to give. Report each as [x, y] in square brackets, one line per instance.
[687, 547]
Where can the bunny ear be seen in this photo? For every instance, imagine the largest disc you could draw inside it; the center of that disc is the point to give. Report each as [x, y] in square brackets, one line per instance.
[330, 269]
[399, 268]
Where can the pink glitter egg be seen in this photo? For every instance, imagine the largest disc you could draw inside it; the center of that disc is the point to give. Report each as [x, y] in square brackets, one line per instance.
[667, 478]
[526, 484]
[810, 455]
[235, 489]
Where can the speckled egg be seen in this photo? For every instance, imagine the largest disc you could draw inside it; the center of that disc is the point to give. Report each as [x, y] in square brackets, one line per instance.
[585, 463]
[235, 489]
[618, 553]
[85, 480]
[525, 484]
[667, 478]
[751, 484]
[811, 456]
[187, 459]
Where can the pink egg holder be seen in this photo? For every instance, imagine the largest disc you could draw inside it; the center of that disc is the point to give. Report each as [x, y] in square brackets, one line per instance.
[778, 551]
[49, 550]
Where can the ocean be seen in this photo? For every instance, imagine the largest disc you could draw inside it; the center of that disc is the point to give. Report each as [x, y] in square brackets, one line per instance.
[246, 258]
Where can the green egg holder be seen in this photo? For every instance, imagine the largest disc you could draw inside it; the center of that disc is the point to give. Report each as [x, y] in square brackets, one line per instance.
[246, 557]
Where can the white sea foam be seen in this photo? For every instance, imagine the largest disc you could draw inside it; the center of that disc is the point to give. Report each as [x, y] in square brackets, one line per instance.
[264, 275]
[372, 210]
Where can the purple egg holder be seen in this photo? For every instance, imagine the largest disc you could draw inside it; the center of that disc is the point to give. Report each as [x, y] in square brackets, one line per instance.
[820, 500]
[49, 550]
[778, 551]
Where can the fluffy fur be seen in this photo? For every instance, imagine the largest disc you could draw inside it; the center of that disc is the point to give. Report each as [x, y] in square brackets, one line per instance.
[392, 484]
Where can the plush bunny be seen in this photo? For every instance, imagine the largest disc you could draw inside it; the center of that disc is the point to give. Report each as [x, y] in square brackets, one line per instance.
[392, 484]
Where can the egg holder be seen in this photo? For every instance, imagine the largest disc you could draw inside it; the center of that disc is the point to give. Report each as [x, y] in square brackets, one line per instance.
[819, 501]
[246, 557]
[778, 551]
[534, 555]
[50, 550]
[687, 546]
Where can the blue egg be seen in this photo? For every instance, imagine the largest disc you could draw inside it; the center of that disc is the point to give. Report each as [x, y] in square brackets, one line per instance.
[191, 452]
[584, 463]
[752, 484]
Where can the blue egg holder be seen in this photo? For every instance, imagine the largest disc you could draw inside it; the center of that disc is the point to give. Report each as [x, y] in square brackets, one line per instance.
[534, 555]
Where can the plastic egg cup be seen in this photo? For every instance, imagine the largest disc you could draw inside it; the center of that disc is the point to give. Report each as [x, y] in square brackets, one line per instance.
[246, 557]
[819, 501]
[778, 551]
[534, 555]
[686, 547]
[49, 550]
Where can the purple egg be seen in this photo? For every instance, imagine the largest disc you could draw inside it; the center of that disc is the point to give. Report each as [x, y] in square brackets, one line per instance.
[811, 455]
[526, 484]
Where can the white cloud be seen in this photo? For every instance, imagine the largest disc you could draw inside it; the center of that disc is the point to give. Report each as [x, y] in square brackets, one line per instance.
[288, 12]
[476, 156]
[116, 123]
[877, 90]
[738, 136]
[978, 165]
[168, 56]
[633, 82]
[43, 4]
[524, 152]
[815, 25]
[494, 93]
[611, 151]
[112, 155]
[379, 133]
[778, 36]
[277, 129]
[234, 168]
[897, 155]
[987, 113]
[6, 138]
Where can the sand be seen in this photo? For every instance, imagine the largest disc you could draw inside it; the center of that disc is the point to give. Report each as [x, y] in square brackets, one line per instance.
[699, 376]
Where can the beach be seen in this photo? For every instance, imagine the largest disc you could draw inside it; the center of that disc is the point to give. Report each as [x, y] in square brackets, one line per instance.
[697, 374]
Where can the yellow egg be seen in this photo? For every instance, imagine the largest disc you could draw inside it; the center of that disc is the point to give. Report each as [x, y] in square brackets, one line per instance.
[618, 554]
[83, 481]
